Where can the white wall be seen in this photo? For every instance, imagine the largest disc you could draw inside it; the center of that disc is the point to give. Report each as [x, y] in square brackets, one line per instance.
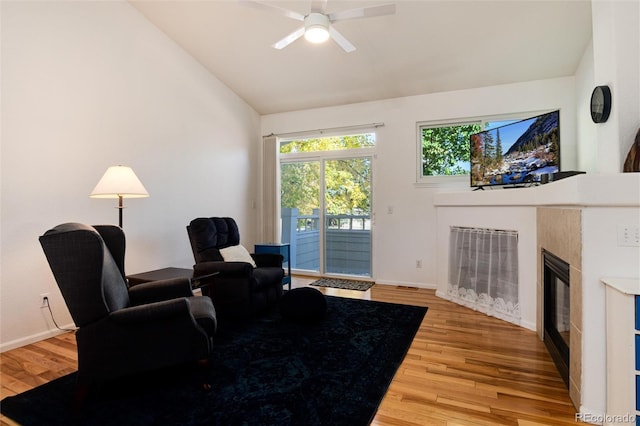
[86, 85]
[586, 129]
[616, 49]
[409, 234]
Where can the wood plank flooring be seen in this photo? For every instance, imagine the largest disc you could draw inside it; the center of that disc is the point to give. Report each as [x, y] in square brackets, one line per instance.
[463, 368]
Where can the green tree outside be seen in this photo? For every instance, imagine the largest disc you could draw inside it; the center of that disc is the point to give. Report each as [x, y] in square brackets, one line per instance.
[348, 181]
[444, 148]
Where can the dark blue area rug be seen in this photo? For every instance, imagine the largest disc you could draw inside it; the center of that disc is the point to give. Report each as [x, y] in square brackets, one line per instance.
[268, 371]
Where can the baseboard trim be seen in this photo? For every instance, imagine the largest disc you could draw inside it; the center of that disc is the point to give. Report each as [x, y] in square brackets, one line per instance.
[34, 338]
[442, 294]
[406, 284]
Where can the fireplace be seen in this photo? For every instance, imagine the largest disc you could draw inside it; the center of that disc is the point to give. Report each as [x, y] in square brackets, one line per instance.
[557, 311]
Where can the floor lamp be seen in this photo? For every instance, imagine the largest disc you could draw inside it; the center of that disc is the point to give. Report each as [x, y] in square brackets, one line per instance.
[119, 182]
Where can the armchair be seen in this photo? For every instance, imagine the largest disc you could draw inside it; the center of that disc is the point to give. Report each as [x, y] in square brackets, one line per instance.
[120, 330]
[240, 289]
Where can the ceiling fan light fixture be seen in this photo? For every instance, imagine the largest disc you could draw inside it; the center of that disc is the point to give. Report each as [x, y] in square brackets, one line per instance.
[316, 27]
[316, 34]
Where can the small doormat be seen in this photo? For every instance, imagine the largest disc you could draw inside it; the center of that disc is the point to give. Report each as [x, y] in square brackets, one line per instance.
[343, 284]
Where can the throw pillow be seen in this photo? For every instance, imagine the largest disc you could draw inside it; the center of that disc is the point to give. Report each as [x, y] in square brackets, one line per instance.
[237, 254]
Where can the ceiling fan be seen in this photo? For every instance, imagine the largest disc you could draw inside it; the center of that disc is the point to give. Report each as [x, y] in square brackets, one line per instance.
[318, 26]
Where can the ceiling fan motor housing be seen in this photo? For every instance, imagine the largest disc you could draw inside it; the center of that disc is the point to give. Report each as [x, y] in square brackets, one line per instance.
[316, 27]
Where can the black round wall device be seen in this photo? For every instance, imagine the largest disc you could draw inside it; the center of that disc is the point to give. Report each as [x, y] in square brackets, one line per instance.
[600, 104]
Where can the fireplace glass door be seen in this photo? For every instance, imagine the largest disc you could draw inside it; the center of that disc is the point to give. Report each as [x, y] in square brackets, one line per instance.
[557, 311]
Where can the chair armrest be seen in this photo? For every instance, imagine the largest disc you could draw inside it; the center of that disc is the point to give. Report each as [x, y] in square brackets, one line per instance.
[205, 280]
[154, 312]
[226, 269]
[268, 259]
[157, 291]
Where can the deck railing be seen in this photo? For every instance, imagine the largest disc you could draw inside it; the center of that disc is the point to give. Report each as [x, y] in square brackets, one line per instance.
[347, 245]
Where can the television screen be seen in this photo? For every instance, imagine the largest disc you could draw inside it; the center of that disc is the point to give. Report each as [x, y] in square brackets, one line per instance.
[517, 153]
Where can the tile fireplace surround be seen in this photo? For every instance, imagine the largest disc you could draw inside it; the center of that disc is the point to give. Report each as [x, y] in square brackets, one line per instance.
[576, 219]
[559, 231]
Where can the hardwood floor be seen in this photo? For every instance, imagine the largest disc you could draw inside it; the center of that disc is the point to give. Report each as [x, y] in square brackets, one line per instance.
[463, 368]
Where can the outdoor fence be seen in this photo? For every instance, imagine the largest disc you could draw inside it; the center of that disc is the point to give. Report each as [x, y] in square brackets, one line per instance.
[347, 242]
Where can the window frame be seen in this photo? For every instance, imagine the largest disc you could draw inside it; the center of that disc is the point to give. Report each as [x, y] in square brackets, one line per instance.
[322, 157]
[458, 181]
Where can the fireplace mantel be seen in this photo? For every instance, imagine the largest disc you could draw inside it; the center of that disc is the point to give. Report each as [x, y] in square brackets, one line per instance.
[613, 190]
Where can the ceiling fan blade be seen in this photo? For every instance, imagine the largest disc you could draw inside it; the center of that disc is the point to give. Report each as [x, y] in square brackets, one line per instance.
[341, 40]
[289, 39]
[363, 12]
[273, 9]
[318, 6]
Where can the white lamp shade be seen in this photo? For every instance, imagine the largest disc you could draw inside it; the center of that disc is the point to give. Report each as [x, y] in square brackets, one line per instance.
[119, 181]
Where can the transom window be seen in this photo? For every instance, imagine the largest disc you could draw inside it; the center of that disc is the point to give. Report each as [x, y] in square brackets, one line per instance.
[329, 143]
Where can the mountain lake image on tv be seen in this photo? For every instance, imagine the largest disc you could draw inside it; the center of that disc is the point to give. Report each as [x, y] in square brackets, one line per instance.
[517, 153]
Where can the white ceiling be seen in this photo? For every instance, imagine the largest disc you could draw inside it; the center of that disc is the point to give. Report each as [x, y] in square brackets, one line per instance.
[426, 47]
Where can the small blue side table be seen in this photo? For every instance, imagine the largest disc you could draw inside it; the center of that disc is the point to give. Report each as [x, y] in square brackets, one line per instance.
[283, 249]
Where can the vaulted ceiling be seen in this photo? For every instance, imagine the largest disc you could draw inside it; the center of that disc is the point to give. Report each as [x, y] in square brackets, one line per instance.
[427, 46]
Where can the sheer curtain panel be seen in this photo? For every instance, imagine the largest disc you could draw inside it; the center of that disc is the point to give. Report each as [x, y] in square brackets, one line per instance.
[270, 216]
[483, 271]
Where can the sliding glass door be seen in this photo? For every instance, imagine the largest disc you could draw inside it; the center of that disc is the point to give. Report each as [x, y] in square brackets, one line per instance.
[326, 206]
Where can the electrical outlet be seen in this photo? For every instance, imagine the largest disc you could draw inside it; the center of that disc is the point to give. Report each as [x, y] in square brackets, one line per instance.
[44, 300]
[629, 235]
[418, 263]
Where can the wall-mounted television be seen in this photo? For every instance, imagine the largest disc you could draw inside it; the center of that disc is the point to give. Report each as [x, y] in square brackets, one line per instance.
[516, 153]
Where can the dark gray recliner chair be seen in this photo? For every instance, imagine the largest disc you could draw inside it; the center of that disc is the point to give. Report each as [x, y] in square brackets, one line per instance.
[239, 289]
[124, 330]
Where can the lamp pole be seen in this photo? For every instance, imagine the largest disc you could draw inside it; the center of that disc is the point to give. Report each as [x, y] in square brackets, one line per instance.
[120, 207]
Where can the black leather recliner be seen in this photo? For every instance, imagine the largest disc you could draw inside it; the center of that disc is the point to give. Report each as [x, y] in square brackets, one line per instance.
[124, 330]
[239, 289]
